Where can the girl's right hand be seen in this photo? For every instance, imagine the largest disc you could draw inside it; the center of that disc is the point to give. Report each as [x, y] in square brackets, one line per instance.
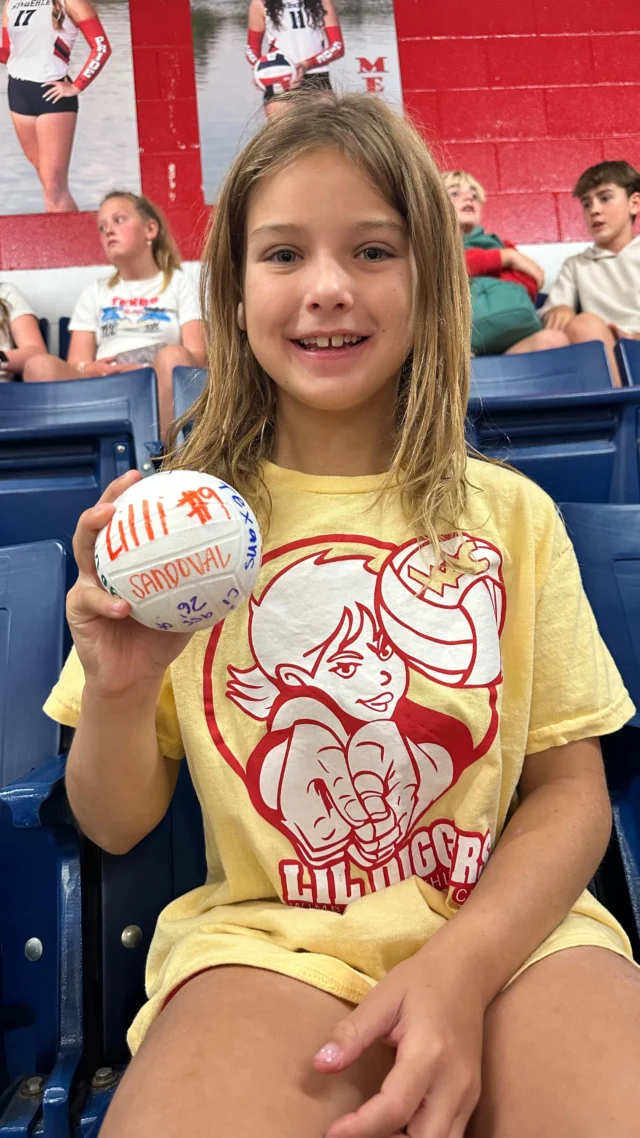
[98, 368]
[116, 652]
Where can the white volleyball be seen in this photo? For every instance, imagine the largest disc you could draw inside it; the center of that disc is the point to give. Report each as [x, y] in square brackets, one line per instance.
[183, 548]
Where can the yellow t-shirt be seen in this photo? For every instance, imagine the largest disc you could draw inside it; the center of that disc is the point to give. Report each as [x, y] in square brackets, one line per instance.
[356, 733]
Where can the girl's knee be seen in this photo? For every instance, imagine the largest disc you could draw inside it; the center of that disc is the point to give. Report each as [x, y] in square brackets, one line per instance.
[551, 338]
[173, 355]
[40, 368]
[587, 326]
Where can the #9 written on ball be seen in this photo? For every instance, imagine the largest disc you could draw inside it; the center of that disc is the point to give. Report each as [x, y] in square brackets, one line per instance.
[183, 548]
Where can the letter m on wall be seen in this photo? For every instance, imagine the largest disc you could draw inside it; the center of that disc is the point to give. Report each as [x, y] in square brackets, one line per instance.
[367, 67]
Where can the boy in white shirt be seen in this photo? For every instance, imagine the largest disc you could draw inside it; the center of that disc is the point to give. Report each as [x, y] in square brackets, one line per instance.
[597, 293]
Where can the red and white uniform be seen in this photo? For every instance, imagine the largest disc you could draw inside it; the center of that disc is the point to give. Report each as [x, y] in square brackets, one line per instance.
[39, 51]
[295, 38]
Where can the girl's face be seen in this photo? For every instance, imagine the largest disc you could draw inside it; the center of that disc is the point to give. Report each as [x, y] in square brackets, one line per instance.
[328, 287]
[123, 232]
[467, 205]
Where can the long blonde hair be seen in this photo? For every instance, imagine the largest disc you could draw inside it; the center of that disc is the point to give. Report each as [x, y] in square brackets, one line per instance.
[235, 417]
[165, 251]
[5, 317]
[58, 14]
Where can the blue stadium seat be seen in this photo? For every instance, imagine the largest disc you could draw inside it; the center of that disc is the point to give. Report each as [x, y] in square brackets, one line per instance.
[64, 337]
[628, 357]
[32, 592]
[188, 383]
[45, 330]
[62, 443]
[40, 911]
[580, 447]
[134, 889]
[607, 544]
[578, 368]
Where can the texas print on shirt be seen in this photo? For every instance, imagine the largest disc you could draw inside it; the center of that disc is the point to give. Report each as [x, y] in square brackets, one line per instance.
[341, 631]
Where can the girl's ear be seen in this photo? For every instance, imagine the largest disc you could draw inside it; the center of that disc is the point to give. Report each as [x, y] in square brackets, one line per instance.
[152, 230]
[242, 323]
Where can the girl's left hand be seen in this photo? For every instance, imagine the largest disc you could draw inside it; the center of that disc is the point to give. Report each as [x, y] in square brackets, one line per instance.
[435, 1023]
[63, 89]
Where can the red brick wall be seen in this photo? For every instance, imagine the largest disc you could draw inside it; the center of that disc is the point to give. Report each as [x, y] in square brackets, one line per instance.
[525, 94]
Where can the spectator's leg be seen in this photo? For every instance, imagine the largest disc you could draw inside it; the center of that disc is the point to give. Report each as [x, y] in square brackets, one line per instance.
[231, 1057]
[540, 342]
[173, 355]
[45, 368]
[55, 143]
[561, 1045]
[586, 326]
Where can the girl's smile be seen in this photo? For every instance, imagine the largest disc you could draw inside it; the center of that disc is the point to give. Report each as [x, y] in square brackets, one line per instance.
[328, 293]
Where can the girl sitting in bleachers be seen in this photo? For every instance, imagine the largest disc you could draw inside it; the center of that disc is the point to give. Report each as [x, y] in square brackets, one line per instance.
[20, 336]
[504, 282]
[145, 314]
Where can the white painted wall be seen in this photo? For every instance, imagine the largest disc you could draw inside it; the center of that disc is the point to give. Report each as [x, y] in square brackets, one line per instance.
[53, 292]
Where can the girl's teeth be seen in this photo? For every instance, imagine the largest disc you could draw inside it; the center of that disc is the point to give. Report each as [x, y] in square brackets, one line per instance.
[334, 341]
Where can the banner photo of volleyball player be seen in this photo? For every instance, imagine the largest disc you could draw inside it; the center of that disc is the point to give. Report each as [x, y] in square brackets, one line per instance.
[67, 104]
[247, 52]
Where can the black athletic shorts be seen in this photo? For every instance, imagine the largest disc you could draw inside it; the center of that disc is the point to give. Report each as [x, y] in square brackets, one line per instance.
[319, 81]
[27, 98]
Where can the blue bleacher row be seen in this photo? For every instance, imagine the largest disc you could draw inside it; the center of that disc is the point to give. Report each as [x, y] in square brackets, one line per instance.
[75, 922]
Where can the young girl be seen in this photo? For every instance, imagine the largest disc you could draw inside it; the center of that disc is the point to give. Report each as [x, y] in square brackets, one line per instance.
[146, 312]
[487, 256]
[37, 41]
[307, 32]
[20, 336]
[418, 681]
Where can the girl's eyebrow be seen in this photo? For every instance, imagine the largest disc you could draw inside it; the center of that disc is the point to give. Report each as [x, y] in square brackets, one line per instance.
[341, 655]
[290, 227]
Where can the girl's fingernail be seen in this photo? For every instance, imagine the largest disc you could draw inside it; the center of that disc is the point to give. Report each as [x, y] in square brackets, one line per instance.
[118, 606]
[330, 1053]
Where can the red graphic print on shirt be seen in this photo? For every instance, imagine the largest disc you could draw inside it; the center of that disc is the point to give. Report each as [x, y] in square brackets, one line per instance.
[349, 764]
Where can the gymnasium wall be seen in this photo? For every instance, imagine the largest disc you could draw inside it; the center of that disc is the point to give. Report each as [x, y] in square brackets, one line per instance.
[525, 94]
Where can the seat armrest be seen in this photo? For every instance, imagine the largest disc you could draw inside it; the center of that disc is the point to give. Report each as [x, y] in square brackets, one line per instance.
[26, 797]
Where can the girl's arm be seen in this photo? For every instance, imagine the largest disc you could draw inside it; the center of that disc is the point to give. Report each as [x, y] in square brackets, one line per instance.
[5, 42]
[431, 1007]
[86, 18]
[255, 32]
[82, 357]
[192, 338]
[82, 349]
[335, 48]
[544, 860]
[27, 337]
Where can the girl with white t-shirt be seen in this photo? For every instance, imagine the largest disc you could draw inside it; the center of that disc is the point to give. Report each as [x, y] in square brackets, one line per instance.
[146, 313]
[20, 336]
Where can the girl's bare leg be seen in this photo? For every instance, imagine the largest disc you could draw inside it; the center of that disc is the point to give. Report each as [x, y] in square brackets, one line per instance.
[26, 130]
[561, 1051]
[231, 1054]
[45, 368]
[173, 355]
[55, 144]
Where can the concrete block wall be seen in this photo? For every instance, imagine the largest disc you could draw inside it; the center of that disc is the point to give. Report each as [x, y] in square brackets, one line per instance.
[525, 94]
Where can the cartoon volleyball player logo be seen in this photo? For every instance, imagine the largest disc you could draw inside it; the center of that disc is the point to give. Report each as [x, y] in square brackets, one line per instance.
[349, 762]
